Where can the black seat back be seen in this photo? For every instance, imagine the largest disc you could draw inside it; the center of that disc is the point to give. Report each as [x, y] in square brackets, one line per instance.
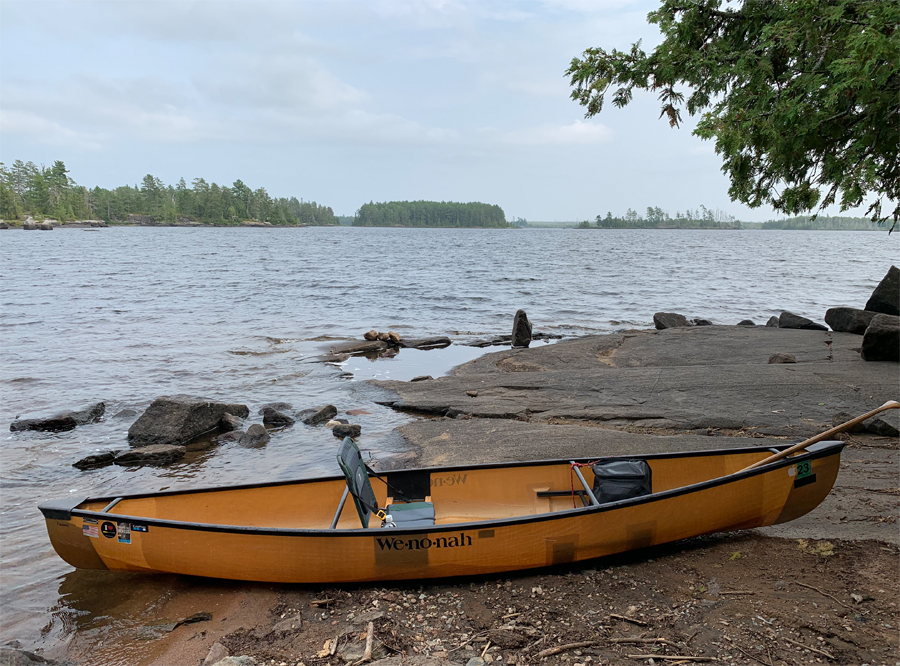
[351, 463]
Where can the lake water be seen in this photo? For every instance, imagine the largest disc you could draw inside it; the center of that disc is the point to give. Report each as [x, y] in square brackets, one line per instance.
[125, 315]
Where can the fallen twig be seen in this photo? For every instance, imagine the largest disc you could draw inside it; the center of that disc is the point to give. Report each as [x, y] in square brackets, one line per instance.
[484, 651]
[670, 657]
[506, 617]
[747, 654]
[640, 623]
[811, 649]
[367, 654]
[467, 641]
[562, 648]
[824, 594]
[662, 641]
[321, 602]
[739, 592]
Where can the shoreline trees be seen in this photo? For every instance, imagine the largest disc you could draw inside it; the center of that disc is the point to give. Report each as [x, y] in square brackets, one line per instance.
[430, 214]
[26, 189]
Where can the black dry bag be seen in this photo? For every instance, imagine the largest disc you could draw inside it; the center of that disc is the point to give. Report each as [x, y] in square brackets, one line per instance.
[616, 480]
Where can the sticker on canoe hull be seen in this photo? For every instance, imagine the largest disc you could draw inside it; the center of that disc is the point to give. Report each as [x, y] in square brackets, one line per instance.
[90, 529]
[124, 533]
[108, 530]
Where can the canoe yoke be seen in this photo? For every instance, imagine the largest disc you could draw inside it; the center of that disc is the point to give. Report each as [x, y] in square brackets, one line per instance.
[402, 514]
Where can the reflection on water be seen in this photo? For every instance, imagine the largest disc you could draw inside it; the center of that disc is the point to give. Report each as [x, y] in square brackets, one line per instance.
[125, 315]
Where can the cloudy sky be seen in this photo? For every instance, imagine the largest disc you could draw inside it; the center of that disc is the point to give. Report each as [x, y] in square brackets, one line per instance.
[346, 102]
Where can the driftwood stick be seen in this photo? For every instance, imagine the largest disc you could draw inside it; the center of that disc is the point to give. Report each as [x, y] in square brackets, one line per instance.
[739, 592]
[640, 623]
[670, 657]
[890, 404]
[370, 637]
[484, 651]
[562, 648]
[824, 594]
[811, 649]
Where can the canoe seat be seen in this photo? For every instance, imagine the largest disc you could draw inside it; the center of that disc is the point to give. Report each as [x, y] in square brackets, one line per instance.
[411, 514]
[408, 514]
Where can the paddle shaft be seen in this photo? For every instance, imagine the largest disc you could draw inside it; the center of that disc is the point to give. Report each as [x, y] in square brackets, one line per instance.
[890, 404]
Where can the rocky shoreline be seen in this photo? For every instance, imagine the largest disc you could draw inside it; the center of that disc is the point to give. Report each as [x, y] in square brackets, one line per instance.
[821, 589]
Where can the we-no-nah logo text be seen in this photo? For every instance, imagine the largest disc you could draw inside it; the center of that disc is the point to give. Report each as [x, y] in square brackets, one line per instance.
[426, 543]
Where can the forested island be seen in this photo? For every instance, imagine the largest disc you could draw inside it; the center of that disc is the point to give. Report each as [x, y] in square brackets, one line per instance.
[430, 214]
[705, 218]
[49, 192]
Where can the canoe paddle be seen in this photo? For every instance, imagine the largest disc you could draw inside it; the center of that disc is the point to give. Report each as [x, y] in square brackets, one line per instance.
[890, 404]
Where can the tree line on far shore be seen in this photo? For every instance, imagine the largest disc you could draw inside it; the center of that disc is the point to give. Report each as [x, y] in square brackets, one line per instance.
[657, 218]
[49, 192]
[429, 214]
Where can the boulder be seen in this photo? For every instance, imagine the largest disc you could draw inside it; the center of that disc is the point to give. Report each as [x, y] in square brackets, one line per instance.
[669, 320]
[426, 343]
[848, 320]
[230, 423]
[4, 225]
[273, 417]
[886, 297]
[152, 454]
[489, 342]
[384, 337]
[772, 323]
[347, 430]
[280, 406]
[394, 338]
[317, 414]
[216, 653]
[96, 460]
[701, 322]
[240, 660]
[371, 335]
[46, 226]
[421, 378]
[790, 320]
[90, 414]
[29, 225]
[178, 420]
[255, 437]
[881, 341]
[521, 330]
[746, 322]
[876, 425]
[782, 358]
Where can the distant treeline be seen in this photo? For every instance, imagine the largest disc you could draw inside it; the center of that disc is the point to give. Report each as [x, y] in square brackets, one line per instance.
[26, 189]
[657, 218]
[822, 223]
[429, 214]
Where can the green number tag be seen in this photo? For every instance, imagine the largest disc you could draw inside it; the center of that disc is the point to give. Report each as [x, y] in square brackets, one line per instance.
[804, 469]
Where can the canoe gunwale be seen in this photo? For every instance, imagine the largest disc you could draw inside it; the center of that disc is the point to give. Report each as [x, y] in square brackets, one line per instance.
[57, 509]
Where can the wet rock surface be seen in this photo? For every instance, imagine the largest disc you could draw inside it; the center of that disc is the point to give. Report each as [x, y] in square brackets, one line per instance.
[152, 454]
[275, 418]
[316, 415]
[255, 437]
[686, 378]
[67, 420]
[663, 320]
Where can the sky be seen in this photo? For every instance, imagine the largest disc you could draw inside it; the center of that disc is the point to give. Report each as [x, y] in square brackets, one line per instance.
[345, 102]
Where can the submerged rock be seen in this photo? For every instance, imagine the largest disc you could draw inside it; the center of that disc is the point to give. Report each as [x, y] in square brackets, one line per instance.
[849, 320]
[153, 454]
[280, 406]
[521, 331]
[230, 422]
[317, 414]
[663, 320]
[881, 341]
[790, 320]
[256, 436]
[96, 461]
[62, 421]
[886, 297]
[178, 420]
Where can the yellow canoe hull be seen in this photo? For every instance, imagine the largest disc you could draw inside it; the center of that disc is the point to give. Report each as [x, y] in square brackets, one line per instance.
[489, 518]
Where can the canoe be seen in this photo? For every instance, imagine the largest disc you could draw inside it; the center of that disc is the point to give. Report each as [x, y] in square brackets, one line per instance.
[465, 520]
